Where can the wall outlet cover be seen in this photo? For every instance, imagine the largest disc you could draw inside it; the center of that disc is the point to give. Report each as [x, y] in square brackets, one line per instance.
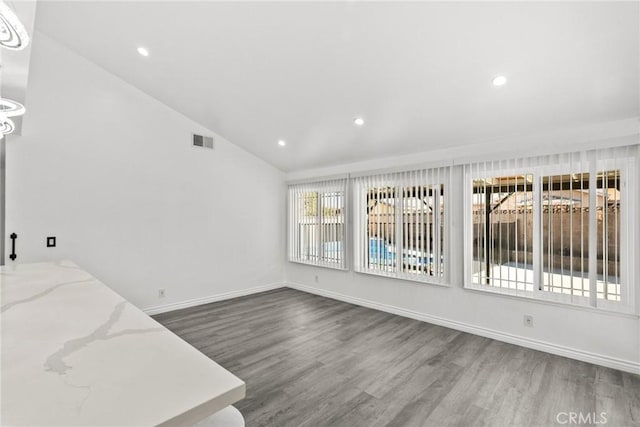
[51, 242]
[528, 321]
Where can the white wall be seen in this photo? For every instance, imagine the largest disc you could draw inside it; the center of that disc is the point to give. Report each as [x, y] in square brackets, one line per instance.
[111, 173]
[587, 334]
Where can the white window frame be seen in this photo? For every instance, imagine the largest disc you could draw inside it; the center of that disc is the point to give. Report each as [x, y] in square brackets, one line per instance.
[408, 178]
[629, 209]
[295, 220]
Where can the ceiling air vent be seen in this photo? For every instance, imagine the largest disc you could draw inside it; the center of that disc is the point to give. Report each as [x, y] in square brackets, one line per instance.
[202, 141]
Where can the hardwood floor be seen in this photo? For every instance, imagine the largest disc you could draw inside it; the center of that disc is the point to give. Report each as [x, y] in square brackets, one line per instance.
[314, 361]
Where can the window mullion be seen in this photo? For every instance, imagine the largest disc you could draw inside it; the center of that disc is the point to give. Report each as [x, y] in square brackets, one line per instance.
[398, 201]
[437, 250]
[537, 233]
[593, 230]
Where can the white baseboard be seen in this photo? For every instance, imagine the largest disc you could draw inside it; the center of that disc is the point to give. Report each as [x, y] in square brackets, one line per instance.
[585, 356]
[212, 298]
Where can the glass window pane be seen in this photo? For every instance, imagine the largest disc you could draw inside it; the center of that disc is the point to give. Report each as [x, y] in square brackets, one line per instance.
[565, 233]
[332, 230]
[317, 223]
[308, 227]
[503, 232]
[381, 230]
[608, 220]
[423, 230]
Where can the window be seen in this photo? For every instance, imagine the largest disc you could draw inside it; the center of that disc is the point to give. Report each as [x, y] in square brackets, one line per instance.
[317, 223]
[553, 227]
[400, 225]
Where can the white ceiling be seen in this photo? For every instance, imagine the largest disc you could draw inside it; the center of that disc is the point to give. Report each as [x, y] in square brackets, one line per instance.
[419, 73]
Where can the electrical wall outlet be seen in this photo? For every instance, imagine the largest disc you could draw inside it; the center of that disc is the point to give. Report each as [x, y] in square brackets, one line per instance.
[160, 293]
[528, 321]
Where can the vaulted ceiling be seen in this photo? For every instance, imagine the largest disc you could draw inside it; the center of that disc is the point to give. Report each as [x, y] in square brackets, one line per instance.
[418, 73]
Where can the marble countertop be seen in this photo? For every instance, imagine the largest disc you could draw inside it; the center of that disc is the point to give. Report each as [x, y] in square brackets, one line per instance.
[76, 353]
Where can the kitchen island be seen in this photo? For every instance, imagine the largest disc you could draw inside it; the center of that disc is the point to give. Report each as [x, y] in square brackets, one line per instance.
[74, 352]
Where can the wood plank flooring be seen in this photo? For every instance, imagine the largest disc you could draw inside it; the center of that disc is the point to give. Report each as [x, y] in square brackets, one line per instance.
[314, 361]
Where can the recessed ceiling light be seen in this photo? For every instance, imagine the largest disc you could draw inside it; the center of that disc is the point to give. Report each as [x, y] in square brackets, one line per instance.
[358, 121]
[499, 80]
[143, 51]
[282, 143]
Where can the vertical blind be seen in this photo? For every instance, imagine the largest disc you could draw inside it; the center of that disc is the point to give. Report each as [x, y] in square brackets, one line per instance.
[317, 226]
[400, 224]
[558, 227]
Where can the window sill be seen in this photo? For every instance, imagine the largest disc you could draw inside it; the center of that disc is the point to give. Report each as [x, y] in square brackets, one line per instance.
[425, 281]
[315, 264]
[623, 311]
